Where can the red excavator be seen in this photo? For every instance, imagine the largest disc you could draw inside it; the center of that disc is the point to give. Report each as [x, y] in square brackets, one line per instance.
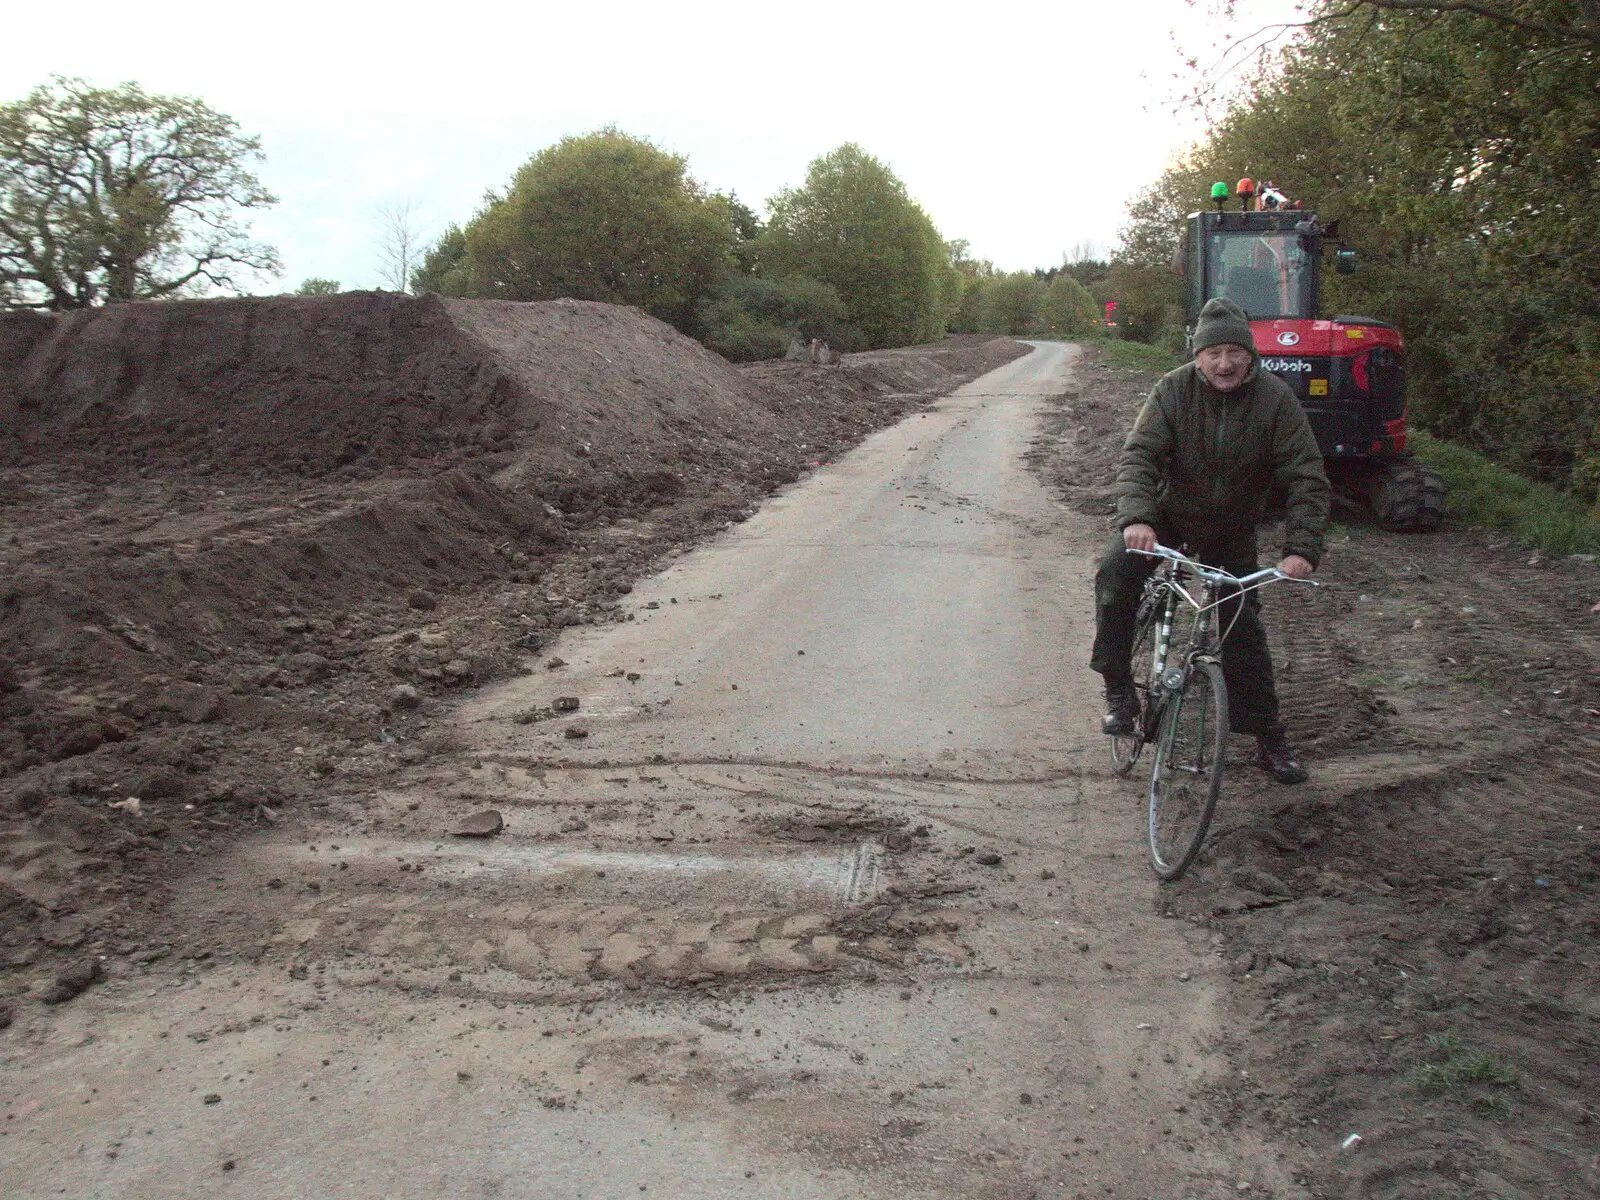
[1349, 372]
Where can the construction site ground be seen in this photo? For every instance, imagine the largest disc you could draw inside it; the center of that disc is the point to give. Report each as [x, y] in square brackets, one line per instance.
[808, 876]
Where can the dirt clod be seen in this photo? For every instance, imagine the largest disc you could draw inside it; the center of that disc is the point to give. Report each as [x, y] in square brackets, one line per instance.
[74, 981]
[1256, 880]
[482, 824]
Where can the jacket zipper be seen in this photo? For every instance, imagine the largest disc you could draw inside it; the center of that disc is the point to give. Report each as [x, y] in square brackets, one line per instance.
[1219, 480]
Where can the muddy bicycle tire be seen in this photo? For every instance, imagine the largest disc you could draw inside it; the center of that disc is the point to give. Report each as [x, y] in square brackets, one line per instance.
[1125, 751]
[1186, 773]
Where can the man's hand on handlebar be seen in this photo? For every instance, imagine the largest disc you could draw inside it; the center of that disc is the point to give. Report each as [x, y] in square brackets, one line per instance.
[1143, 537]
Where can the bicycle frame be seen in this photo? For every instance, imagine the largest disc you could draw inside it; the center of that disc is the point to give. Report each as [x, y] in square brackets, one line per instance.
[1217, 588]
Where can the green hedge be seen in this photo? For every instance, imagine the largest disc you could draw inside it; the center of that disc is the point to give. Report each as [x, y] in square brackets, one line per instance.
[1482, 493]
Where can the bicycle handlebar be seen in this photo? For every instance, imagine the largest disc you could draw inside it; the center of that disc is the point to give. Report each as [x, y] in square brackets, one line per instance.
[1213, 575]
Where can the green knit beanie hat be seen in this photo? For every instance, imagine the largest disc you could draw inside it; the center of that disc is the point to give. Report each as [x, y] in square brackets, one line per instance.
[1222, 322]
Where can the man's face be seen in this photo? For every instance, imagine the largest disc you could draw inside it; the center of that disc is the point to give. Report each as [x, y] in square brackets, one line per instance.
[1223, 366]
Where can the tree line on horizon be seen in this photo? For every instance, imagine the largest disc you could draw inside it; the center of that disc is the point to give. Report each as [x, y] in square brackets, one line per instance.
[1460, 153]
[848, 256]
[113, 194]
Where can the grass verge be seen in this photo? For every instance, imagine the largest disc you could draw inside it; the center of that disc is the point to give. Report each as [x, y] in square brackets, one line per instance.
[1482, 493]
[1135, 356]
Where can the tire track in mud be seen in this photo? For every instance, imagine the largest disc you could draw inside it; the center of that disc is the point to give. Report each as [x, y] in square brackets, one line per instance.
[1514, 626]
[659, 878]
[1324, 709]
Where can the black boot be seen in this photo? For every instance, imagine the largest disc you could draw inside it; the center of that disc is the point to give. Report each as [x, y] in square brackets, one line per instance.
[1122, 709]
[1275, 758]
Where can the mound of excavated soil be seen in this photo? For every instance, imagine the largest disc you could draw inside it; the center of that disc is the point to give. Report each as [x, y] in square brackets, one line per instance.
[587, 405]
[245, 544]
[308, 385]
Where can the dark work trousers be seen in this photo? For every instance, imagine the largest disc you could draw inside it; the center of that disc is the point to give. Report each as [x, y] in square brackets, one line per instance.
[1246, 661]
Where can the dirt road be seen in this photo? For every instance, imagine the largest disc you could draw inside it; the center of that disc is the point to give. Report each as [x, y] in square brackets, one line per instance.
[823, 888]
[833, 899]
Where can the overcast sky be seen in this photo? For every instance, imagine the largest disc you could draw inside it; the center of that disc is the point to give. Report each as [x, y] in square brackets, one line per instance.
[1023, 127]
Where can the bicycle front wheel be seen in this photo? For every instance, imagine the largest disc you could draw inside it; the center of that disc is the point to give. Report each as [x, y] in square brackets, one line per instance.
[1186, 776]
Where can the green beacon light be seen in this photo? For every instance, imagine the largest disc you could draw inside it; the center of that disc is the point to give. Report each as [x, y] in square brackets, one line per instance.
[1219, 195]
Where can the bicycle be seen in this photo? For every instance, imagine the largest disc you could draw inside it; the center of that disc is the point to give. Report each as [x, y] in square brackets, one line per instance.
[1183, 708]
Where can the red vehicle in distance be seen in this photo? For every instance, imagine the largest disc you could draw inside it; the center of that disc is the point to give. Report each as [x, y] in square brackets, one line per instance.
[1348, 371]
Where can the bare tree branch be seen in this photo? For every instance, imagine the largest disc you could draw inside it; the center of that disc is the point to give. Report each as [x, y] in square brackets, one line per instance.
[401, 244]
[1586, 29]
[1256, 46]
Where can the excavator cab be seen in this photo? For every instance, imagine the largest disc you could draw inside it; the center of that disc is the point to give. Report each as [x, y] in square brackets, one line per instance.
[1260, 261]
[1348, 372]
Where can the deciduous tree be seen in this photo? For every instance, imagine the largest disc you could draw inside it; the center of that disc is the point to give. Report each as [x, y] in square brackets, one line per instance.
[1011, 303]
[1067, 309]
[116, 194]
[605, 216]
[752, 317]
[852, 225]
[400, 243]
[444, 265]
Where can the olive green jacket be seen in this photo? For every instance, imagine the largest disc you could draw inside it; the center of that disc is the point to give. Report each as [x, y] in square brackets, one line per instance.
[1205, 460]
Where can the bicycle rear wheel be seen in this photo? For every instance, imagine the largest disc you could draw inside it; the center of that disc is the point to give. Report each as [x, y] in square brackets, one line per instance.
[1125, 750]
[1186, 776]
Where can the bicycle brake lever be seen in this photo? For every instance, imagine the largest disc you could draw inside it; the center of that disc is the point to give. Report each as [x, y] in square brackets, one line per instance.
[1287, 578]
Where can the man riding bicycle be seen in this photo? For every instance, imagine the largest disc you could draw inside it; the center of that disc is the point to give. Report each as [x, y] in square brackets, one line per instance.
[1211, 441]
